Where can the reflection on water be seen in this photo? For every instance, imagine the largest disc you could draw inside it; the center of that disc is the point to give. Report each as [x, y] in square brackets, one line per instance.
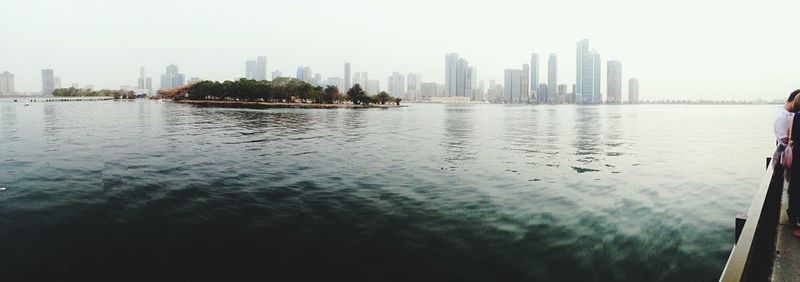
[137, 190]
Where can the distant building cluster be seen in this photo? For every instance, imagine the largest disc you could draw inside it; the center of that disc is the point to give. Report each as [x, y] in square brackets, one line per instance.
[256, 69]
[460, 78]
[172, 78]
[523, 86]
[519, 85]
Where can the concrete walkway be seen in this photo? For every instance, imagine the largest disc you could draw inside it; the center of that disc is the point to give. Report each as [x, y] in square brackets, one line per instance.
[787, 248]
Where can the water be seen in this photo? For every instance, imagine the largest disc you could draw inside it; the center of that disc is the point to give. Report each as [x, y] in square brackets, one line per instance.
[141, 191]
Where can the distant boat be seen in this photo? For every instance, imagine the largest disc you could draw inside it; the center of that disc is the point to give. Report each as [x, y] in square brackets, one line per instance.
[26, 103]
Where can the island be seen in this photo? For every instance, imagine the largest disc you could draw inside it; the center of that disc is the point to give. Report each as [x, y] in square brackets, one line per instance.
[282, 92]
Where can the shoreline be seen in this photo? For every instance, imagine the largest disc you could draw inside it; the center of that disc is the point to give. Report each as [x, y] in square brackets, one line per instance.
[276, 105]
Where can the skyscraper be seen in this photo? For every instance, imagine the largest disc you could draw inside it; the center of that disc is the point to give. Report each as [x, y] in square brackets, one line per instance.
[543, 92]
[413, 85]
[148, 84]
[261, 68]
[250, 69]
[458, 76]
[172, 78]
[534, 79]
[552, 79]
[524, 87]
[462, 84]
[633, 91]
[141, 81]
[472, 81]
[511, 87]
[304, 74]
[614, 83]
[450, 74]
[317, 79]
[587, 74]
[7, 83]
[48, 82]
[397, 85]
[346, 77]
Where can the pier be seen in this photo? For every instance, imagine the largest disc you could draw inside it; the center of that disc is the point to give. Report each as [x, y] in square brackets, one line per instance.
[764, 248]
[62, 99]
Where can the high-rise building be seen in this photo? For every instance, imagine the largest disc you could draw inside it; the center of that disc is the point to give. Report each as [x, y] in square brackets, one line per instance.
[481, 91]
[543, 92]
[397, 85]
[360, 78]
[458, 76]
[141, 81]
[450, 74]
[633, 91]
[472, 80]
[261, 68]
[256, 69]
[524, 87]
[172, 78]
[276, 74]
[48, 82]
[148, 84]
[346, 77]
[57, 82]
[250, 69]
[413, 87]
[7, 83]
[587, 74]
[614, 83]
[511, 87]
[534, 79]
[144, 83]
[305, 74]
[317, 79]
[462, 82]
[552, 79]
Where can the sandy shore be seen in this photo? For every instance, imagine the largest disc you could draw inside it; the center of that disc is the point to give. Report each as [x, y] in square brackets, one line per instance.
[267, 105]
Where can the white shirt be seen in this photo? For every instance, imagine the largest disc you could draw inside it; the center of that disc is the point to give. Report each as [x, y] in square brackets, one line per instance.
[781, 125]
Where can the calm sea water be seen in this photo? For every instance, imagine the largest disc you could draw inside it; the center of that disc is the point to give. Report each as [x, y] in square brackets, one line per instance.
[141, 191]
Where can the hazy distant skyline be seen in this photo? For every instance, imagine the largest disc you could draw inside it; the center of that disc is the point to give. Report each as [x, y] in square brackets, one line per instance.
[676, 49]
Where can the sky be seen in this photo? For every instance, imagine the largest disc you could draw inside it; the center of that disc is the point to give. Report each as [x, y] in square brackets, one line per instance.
[719, 50]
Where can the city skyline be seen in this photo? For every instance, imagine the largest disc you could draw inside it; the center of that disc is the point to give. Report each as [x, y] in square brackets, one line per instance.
[672, 59]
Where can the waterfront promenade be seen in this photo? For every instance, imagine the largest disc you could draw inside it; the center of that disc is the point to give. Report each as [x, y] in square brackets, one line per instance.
[764, 248]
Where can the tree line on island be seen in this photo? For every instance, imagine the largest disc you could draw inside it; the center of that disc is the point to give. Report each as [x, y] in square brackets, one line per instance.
[80, 92]
[283, 90]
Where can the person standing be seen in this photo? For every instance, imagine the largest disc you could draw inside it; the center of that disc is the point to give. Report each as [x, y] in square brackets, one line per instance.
[793, 134]
[782, 120]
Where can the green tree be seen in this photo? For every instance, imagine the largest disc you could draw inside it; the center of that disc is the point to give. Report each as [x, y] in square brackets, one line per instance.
[356, 94]
[382, 98]
[330, 94]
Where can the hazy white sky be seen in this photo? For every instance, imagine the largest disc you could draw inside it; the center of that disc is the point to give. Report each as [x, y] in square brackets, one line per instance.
[677, 49]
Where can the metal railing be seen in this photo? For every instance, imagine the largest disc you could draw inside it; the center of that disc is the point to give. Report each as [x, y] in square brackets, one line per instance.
[754, 251]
